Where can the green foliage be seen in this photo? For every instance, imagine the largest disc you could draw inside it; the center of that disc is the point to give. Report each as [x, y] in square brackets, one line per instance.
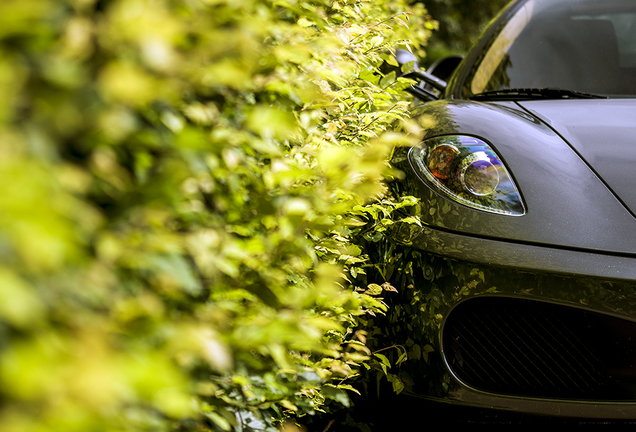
[460, 23]
[182, 183]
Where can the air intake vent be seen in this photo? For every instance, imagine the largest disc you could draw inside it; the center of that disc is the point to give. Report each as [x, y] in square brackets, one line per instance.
[536, 349]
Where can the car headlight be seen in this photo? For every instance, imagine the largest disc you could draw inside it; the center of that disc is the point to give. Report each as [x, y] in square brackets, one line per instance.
[467, 170]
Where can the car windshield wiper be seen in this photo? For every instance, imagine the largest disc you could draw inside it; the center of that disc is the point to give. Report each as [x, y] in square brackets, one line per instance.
[533, 94]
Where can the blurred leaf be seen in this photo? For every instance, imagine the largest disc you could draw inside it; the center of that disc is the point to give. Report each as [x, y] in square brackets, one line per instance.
[185, 183]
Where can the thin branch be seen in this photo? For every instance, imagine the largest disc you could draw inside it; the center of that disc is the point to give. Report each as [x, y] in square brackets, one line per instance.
[381, 22]
[329, 425]
[387, 348]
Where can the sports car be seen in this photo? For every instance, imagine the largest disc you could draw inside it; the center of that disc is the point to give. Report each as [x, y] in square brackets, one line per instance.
[526, 254]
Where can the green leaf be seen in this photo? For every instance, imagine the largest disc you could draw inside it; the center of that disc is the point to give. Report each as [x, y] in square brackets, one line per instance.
[408, 67]
[219, 421]
[426, 350]
[397, 383]
[374, 289]
[388, 79]
[336, 394]
[385, 361]
[349, 387]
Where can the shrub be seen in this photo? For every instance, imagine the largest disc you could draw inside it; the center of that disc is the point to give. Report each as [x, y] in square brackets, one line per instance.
[181, 185]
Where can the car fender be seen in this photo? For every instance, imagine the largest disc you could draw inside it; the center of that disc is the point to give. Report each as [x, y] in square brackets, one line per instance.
[568, 206]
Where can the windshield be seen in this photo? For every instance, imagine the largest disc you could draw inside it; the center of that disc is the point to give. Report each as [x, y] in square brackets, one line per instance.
[581, 46]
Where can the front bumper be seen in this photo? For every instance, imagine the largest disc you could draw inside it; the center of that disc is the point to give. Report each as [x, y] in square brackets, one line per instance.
[552, 408]
[458, 268]
[526, 257]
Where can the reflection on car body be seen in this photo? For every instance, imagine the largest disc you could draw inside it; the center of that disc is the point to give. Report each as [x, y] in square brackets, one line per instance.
[528, 178]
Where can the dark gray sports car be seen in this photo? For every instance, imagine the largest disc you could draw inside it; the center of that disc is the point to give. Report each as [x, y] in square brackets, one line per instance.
[527, 182]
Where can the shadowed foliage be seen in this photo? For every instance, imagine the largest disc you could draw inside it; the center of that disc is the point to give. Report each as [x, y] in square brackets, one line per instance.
[182, 179]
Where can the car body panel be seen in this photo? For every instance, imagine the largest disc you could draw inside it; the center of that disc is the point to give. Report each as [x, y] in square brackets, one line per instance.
[576, 409]
[567, 204]
[603, 132]
[527, 257]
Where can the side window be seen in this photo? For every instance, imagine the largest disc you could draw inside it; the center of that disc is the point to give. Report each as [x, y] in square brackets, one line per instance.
[625, 26]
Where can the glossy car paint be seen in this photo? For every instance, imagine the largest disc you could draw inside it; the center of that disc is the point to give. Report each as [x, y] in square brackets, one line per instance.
[573, 161]
[568, 204]
[603, 133]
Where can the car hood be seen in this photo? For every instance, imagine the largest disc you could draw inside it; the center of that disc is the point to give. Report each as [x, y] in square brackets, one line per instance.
[602, 132]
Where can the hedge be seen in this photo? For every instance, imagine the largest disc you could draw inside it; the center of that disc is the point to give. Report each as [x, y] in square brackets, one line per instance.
[182, 181]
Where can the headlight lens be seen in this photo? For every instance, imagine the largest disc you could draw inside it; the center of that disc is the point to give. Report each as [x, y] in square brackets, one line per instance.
[468, 171]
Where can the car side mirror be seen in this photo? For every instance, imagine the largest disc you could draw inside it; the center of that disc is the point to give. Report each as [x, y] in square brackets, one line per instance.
[404, 57]
[444, 67]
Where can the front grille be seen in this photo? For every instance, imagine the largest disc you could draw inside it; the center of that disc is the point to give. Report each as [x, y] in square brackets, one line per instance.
[535, 349]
